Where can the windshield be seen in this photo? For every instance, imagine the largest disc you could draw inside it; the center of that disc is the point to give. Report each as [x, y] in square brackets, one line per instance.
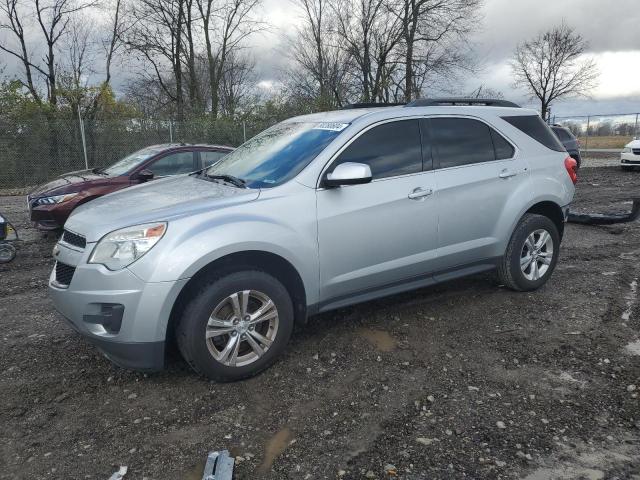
[131, 161]
[277, 154]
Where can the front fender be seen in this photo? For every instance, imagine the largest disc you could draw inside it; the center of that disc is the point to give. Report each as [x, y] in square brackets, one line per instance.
[188, 249]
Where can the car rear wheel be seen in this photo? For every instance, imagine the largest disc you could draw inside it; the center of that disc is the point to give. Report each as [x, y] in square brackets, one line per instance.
[235, 326]
[531, 255]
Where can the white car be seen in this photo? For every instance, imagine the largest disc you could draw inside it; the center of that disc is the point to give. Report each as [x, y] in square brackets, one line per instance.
[630, 156]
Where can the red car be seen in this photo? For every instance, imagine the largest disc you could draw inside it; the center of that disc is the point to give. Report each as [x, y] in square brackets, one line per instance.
[51, 204]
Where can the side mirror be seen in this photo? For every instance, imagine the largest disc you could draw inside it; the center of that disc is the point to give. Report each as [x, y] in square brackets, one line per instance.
[348, 173]
[144, 175]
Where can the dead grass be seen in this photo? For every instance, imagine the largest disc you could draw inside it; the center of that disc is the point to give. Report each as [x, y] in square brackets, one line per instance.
[610, 141]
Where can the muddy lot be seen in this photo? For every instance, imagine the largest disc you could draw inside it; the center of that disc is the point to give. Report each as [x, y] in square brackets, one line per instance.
[464, 380]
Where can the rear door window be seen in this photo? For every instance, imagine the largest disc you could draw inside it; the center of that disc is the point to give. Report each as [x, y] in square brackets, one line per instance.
[211, 157]
[461, 141]
[504, 150]
[390, 149]
[535, 127]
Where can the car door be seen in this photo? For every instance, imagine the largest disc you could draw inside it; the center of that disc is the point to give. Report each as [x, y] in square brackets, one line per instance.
[477, 170]
[174, 163]
[384, 233]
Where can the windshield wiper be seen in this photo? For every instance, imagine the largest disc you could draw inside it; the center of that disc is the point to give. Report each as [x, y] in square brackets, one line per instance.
[98, 171]
[238, 182]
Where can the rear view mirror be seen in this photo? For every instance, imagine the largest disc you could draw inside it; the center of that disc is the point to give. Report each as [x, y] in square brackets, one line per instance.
[144, 175]
[348, 173]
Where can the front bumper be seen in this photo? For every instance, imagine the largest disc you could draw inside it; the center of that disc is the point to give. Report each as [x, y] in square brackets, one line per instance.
[125, 317]
[50, 217]
[629, 159]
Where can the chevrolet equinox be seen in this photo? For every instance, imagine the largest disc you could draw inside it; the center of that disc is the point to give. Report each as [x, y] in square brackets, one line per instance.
[317, 212]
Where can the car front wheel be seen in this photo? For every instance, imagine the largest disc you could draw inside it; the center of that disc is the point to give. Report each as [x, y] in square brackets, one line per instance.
[531, 255]
[235, 326]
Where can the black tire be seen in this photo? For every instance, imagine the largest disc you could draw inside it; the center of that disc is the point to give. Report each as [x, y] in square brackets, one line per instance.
[7, 252]
[190, 331]
[509, 271]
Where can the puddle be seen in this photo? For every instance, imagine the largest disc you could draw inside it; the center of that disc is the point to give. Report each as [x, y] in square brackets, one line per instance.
[380, 339]
[274, 447]
[633, 348]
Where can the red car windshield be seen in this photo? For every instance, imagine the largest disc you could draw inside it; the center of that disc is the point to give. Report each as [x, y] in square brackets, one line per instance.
[130, 162]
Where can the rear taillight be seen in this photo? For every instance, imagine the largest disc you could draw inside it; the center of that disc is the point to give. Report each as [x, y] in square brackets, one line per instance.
[572, 169]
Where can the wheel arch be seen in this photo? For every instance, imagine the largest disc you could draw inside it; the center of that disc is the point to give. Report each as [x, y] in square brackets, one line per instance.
[552, 211]
[264, 261]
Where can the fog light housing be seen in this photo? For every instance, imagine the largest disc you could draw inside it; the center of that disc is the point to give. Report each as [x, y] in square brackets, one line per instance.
[107, 317]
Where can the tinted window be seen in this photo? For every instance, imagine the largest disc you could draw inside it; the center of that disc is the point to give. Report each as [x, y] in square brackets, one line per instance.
[504, 149]
[461, 141]
[390, 149]
[209, 158]
[173, 164]
[563, 135]
[535, 127]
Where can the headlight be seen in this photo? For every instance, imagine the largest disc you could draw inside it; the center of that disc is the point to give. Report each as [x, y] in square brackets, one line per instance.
[626, 150]
[55, 199]
[121, 248]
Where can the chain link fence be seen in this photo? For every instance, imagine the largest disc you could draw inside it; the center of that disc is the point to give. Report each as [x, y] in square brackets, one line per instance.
[37, 149]
[602, 132]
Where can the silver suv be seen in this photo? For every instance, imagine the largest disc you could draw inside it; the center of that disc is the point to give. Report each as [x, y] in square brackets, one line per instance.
[316, 213]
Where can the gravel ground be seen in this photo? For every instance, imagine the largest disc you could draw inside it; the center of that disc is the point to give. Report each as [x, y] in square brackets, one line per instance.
[463, 380]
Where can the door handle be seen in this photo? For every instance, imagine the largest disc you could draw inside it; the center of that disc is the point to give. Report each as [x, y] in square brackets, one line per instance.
[419, 193]
[507, 173]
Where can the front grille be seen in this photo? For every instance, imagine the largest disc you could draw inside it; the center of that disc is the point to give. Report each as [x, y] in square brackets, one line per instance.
[74, 239]
[64, 273]
[636, 151]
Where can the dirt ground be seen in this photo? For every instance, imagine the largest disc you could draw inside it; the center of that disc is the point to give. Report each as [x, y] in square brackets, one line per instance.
[463, 380]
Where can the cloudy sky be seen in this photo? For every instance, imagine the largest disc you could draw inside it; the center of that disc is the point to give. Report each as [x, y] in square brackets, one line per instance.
[610, 26]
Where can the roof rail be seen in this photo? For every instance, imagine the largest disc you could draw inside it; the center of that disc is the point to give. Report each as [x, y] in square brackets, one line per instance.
[488, 102]
[370, 105]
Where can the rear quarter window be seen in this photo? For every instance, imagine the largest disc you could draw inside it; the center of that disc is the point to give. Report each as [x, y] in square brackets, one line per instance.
[535, 127]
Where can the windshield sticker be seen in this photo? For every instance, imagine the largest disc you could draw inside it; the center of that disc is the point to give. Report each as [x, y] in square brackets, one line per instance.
[334, 127]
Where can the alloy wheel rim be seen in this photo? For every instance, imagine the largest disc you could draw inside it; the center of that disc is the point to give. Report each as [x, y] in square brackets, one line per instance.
[242, 328]
[536, 255]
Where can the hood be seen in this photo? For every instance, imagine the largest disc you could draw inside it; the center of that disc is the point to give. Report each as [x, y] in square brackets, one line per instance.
[160, 200]
[633, 144]
[67, 183]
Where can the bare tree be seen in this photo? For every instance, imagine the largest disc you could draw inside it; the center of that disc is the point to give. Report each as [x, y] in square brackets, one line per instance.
[115, 40]
[226, 24]
[318, 65]
[432, 33]
[370, 34]
[553, 66]
[54, 17]
[157, 35]
[13, 22]
[237, 83]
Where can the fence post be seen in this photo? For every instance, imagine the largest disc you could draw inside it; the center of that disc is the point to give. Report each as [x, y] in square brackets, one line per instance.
[84, 141]
[586, 139]
[170, 130]
[244, 130]
[635, 128]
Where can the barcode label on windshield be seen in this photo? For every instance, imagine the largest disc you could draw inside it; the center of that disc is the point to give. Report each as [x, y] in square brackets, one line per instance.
[334, 127]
